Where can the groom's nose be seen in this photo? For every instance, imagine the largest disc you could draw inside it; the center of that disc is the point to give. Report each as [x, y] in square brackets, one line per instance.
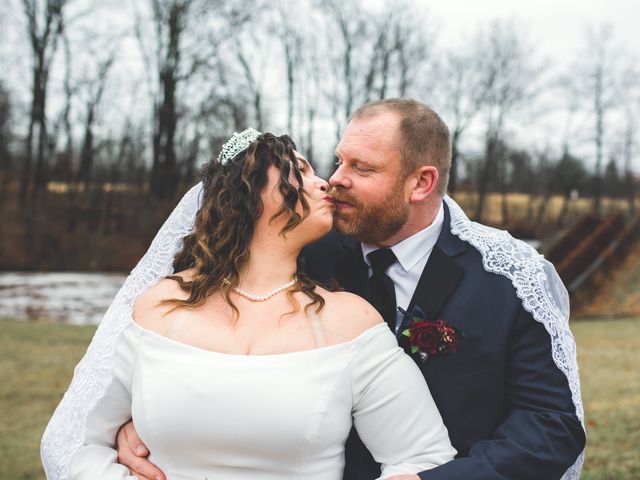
[339, 179]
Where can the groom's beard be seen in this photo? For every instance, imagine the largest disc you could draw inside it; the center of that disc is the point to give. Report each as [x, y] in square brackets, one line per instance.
[371, 222]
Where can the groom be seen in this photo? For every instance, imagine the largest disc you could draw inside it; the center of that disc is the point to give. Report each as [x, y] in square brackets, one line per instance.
[506, 404]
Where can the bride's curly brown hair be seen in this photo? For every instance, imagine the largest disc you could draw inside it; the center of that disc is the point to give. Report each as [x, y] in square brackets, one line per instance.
[218, 247]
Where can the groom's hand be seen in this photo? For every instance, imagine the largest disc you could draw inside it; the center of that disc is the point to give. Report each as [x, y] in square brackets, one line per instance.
[132, 453]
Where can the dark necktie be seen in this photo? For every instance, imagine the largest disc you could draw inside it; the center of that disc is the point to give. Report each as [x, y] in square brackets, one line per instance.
[383, 293]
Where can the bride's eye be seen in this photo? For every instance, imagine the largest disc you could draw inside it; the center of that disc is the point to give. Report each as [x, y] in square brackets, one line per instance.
[304, 167]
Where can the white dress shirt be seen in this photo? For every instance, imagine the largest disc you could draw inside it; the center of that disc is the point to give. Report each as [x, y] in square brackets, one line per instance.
[412, 254]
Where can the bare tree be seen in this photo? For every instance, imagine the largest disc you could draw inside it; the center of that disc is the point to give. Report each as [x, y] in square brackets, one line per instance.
[596, 75]
[383, 47]
[95, 88]
[5, 139]
[245, 50]
[599, 41]
[373, 54]
[461, 93]
[290, 37]
[630, 123]
[569, 176]
[170, 18]
[45, 24]
[311, 94]
[413, 43]
[185, 39]
[508, 79]
[5, 130]
[400, 49]
[350, 21]
[128, 166]
[65, 159]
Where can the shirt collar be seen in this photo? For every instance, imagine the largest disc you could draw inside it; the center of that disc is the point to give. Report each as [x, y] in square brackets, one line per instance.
[412, 249]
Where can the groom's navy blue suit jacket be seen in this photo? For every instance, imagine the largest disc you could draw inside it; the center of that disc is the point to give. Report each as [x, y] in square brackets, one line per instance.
[506, 405]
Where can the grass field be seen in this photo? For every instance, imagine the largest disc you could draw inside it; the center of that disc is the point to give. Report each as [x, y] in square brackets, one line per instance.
[37, 362]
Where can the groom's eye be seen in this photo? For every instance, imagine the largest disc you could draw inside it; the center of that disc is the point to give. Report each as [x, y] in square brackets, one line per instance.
[362, 169]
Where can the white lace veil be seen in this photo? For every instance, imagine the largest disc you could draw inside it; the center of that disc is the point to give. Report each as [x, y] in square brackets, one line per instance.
[539, 287]
[93, 374]
[535, 280]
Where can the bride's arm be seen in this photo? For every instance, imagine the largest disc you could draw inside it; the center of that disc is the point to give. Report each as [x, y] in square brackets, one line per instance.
[96, 457]
[393, 410]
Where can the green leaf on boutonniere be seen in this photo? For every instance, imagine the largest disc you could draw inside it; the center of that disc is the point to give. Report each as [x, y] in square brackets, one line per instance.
[414, 348]
[406, 333]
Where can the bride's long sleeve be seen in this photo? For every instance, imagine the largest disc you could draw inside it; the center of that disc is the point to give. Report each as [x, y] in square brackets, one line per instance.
[96, 458]
[394, 412]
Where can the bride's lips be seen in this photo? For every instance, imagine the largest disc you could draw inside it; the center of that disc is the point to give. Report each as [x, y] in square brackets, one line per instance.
[329, 200]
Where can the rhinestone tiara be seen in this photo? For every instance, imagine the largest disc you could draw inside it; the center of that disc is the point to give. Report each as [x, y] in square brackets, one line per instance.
[237, 143]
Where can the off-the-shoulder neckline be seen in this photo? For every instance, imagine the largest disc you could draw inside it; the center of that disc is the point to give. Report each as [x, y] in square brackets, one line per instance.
[309, 351]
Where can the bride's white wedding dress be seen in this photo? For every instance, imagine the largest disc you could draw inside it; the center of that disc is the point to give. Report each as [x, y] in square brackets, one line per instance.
[210, 415]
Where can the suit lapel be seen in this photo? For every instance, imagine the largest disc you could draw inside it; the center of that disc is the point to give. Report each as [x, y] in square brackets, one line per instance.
[440, 276]
[439, 279]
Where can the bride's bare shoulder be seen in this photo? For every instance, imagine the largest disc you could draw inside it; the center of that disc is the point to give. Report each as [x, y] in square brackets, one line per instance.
[149, 311]
[349, 312]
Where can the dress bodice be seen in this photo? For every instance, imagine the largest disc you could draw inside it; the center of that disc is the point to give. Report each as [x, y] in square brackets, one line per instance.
[210, 415]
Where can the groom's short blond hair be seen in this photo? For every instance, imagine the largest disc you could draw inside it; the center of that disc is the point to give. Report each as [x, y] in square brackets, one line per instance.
[425, 138]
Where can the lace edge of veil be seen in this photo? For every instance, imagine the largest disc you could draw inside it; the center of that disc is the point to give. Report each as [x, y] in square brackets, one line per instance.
[539, 287]
[93, 374]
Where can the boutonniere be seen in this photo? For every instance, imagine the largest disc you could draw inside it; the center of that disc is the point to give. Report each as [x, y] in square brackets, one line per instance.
[430, 337]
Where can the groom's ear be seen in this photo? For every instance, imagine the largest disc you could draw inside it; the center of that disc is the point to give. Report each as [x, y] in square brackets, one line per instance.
[423, 182]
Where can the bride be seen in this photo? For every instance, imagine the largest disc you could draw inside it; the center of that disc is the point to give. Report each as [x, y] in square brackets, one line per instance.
[238, 366]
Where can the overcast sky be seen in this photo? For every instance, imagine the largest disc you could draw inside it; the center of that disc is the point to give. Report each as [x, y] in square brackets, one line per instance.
[556, 27]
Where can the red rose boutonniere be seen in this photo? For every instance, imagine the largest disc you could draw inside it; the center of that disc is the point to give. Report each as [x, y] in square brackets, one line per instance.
[431, 337]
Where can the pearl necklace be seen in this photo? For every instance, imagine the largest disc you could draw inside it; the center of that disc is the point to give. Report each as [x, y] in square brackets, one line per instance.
[266, 296]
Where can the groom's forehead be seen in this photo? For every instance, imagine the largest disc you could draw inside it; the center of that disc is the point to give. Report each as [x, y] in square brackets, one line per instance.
[371, 130]
[367, 147]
